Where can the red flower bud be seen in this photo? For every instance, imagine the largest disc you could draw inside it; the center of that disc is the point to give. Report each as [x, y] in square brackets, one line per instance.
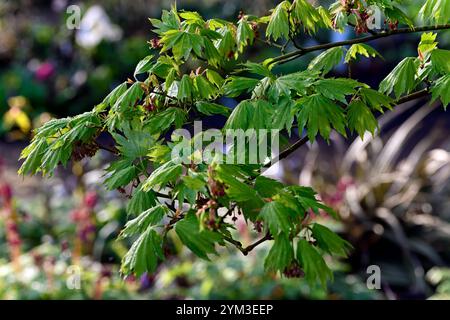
[90, 199]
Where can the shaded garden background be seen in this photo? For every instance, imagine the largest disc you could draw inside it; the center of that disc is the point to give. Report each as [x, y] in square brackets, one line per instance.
[392, 191]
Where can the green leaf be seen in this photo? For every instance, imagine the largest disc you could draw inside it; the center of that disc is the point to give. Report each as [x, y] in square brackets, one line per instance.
[182, 43]
[427, 44]
[214, 78]
[337, 88]
[307, 199]
[313, 264]
[200, 242]
[275, 217]
[185, 89]
[235, 188]
[393, 13]
[244, 34]
[375, 99]
[227, 45]
[280, 255]
[319, 114]
[435, 11]
[279, 24]
[141, 201]
[120, 178]
[134, 142]
[441, 61]
[144, 254]
[211, 53]
[204, 88]
[402, 79]
[241, 117]
[129, 98]
[297, 82]
[441, 89]
[267, 187]
[309, 17]
[169, 21]
[258, 68]
[283, 115]
[168, 172]
[235, 86]
[112, 97]
[330, 241]
[192, 17]
[327, 60]
[33, 156]
[145, 65]
[360, 118]
[162, 121]
[361, 49]
[53, 157]
[261, 115]
[150, 217]
[210, 108]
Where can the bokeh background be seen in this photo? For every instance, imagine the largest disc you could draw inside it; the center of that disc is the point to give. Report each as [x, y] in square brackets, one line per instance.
[58, 239]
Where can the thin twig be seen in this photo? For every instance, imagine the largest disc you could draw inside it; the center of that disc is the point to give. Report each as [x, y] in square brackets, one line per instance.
[298, 53]
[113, 150]
[285, 153]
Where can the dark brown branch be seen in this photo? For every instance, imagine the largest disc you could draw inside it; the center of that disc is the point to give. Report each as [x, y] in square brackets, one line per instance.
[113, 150]
[246, 250]
[413, 96]
[285, 153]
[298, 53]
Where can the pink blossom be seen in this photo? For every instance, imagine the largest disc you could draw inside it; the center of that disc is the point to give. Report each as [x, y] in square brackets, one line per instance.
[44, 71]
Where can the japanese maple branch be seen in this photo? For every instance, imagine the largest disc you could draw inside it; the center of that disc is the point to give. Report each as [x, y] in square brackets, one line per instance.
[246, 250]
[300, 52]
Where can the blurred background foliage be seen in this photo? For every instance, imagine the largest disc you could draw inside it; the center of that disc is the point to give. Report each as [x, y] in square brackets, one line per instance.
[392, 190]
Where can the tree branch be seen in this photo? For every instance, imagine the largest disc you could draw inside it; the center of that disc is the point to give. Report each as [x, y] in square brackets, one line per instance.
[285, 153]
[413, 96]
[246, 250]
[113, 150]
[298, 53]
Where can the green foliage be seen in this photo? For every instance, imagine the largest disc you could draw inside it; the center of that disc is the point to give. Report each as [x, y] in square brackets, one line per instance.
[435, 11]
[315, 267]
[326, 61]
[330, 242]
[361, 49]
[279, 23]
[144, 253]
[319, 114]
[402, 79]
[441, 89]
[201, 242]
[195, 63]
[360, 118]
